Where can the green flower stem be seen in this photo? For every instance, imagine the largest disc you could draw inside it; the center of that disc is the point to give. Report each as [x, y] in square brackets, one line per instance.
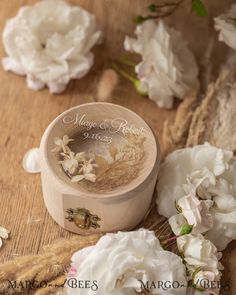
[124, 74]
[126, 62]
[136, 82]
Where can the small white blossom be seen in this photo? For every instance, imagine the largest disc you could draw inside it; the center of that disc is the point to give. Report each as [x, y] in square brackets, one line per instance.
[194, 212]
[50, 43]
[208, 173]
[86, 172]
[80, 157]
[168, 68]
[4, 234]
[62, 144]
[70, 163]
[202, 261]
[78, 167]
[118, 262]
[206, 282]
[226, 25]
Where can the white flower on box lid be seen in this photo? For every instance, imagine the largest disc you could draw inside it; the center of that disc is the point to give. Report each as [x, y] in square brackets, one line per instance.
[226, 25]
[71, 161]
[168, 68]
[62, 144]
[86, 172]
[50, 43]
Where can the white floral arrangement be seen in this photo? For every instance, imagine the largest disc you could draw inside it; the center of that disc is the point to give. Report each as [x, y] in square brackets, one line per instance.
[136, 263]
[226, 25]
[127, 263]
[77, 166]
[168, 68]
[50, 43]
[197, 187]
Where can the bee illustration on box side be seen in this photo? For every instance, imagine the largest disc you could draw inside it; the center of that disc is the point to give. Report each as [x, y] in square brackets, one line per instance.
[82, 218]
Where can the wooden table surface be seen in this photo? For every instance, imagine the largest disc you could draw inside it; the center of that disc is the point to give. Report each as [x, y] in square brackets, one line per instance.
[25, 114]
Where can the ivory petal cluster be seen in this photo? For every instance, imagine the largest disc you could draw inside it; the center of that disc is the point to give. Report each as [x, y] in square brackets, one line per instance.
[226, 25]
[168, 68]
[4, 234]
[50, 43]
[119, 261]
[202, 262]
[208, 174]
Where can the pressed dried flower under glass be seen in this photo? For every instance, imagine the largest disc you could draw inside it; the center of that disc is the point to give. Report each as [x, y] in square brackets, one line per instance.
[99, 166]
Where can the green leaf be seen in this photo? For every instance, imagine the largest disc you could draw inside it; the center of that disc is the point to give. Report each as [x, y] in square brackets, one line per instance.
[199, 8]
[152, 8]
[186, 229]
[139, 19]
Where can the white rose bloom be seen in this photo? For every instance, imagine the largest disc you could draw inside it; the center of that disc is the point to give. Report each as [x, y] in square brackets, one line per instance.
[118, 262]
[206, 280]
[226, 25]
[199, 252]
[50, 42]
[168, 68]
[224, 210]
[208, 173]
[202, 261]
[194, 212]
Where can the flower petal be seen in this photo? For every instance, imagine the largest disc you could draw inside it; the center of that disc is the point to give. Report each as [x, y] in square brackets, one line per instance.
[31, 161]
[4, 233]
[77, 178]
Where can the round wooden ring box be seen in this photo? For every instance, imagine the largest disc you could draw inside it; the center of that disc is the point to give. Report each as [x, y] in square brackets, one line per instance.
[103, 179]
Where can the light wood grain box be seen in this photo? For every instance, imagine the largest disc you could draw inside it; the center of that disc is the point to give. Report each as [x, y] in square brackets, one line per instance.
[101, 129]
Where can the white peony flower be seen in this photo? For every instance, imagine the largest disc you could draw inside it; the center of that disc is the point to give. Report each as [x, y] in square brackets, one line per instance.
[168, 68]
[50, 42]
[226, 25]
[208, 173]
[202, 261]
[119, 264]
